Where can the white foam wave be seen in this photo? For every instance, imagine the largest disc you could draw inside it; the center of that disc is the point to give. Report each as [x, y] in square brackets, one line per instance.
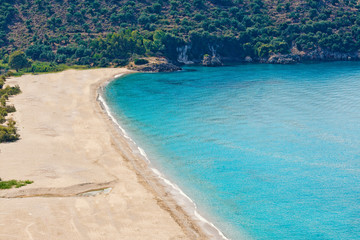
[107, 110]
[119, 75]
[174, 186]
[211, 224]
[196, 213]
[157, 172]
[143, 153]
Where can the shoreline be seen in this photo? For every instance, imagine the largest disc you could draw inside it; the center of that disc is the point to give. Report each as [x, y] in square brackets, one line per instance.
[181, 206]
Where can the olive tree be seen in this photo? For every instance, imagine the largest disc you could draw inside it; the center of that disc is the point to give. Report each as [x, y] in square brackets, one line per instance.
[18, 60]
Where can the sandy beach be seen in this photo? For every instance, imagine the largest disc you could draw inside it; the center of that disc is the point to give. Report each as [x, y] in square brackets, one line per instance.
[86, 185]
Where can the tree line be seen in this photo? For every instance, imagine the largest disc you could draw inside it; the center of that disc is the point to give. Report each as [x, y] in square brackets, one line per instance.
[109, 32]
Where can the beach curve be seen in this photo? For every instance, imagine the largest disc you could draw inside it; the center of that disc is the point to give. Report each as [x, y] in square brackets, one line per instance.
[181, 206]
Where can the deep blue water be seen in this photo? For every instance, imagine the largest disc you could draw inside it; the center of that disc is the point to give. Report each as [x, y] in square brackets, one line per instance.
[265, 151]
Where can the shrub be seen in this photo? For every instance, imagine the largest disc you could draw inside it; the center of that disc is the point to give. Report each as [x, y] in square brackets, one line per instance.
[10, 109]
[120, 62]
[12, 90]
[3, 100]
[17, 60]
[13, 183]
[140, 61]
[8, 133]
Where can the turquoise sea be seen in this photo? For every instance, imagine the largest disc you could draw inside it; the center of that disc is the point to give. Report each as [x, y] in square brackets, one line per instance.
[265, 151]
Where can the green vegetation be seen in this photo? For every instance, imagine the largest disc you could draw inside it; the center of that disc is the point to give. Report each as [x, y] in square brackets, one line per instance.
[108, 32]
[8, 131]
[140, 61]
[18, 60]
[46, 67]
[13, 183]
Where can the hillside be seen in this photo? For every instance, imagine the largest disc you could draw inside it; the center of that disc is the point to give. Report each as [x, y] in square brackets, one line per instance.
[103, 32]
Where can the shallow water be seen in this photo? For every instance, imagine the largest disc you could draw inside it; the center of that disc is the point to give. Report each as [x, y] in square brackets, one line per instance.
[265, 151]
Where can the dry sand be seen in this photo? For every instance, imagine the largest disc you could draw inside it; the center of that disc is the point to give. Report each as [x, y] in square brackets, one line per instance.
[68, 147]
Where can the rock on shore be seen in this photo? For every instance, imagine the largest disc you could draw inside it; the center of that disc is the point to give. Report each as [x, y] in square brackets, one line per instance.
[155, 65]
[211, 61]
[284, 59]
[317, 54]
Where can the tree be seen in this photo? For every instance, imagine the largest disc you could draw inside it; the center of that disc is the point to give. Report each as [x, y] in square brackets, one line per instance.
[198, 3]
[18, 60]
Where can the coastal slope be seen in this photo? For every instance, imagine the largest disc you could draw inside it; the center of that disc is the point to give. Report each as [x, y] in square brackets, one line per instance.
[84, 187]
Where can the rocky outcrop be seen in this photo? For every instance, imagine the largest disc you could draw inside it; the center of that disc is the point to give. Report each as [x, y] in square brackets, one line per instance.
[155, 65]
[314, 55]
[283, 59]
[248, 59]
[160, 64]
[325, 55]
[158, 67]
[182, 54]
[211, 61]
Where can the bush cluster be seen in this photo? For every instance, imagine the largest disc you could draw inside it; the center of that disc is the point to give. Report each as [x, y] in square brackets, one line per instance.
[140, 61]
[13, 183]
[8, 132]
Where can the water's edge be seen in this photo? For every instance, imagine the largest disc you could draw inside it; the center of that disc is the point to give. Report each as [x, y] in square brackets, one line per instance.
[172, 196]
